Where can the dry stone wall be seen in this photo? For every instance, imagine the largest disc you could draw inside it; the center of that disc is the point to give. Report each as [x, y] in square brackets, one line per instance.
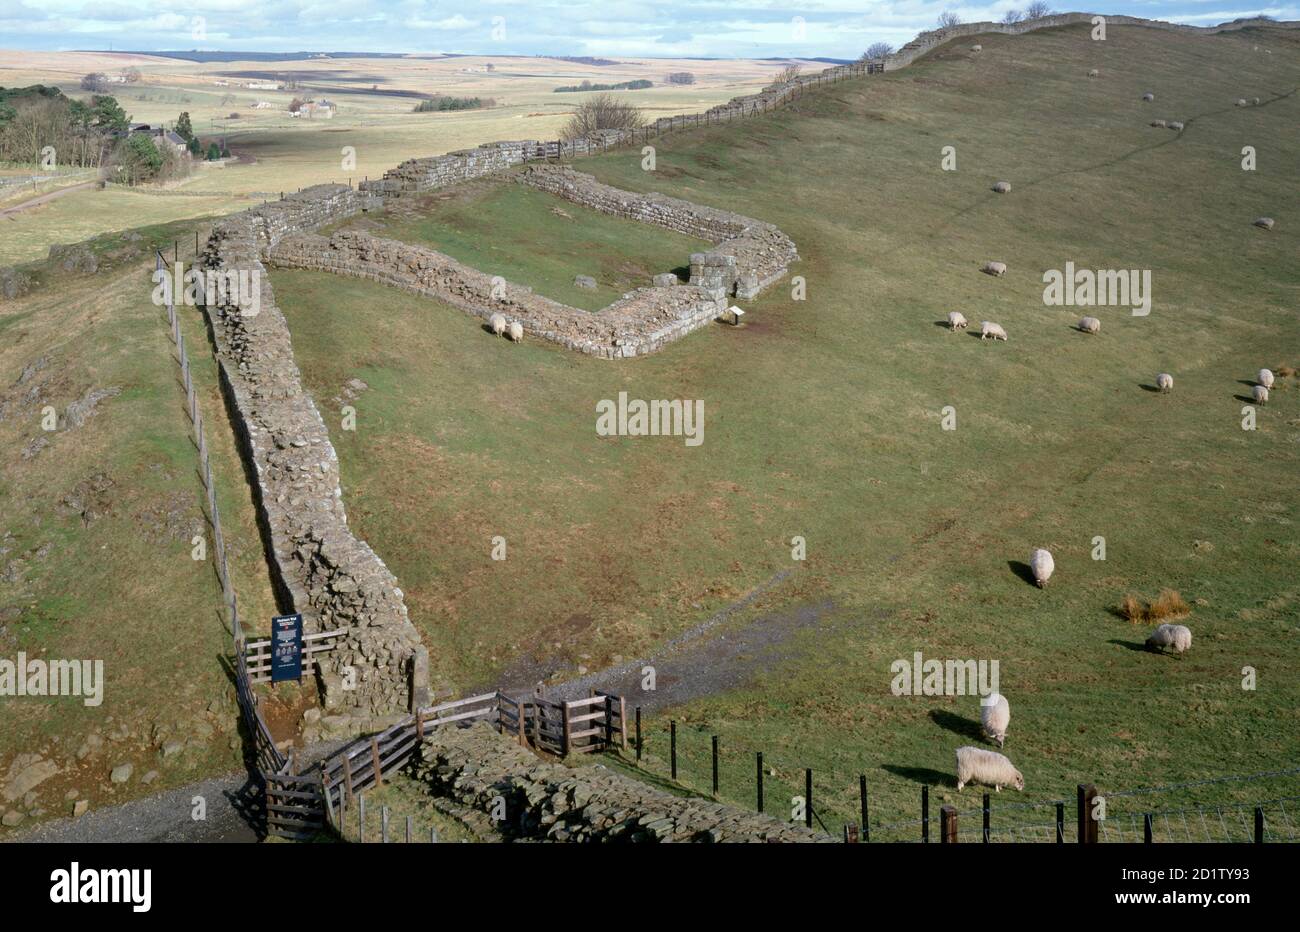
[321, 568]
[551, 802]
[640, 322]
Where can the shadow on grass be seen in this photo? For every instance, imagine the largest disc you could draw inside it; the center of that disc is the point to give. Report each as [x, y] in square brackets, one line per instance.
[1024, 571]
[1246, 398]
[957, 724]
[921, 774]
[1150, 388]
[1139, 646]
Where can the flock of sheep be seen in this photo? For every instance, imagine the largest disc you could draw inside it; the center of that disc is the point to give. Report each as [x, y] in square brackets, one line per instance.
[514, 329]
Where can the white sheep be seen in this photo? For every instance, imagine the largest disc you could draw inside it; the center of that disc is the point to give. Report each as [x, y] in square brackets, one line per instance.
[1002, 187]
[1093, 72]
[516, 331]
[1265, 378]
[1177, 637]
[995, 716]
[995, 268]
[1164, 381]
[977, 48]
[1090, 325]
[1148, 97]
[1160, 124]
[956, 320]
[1176, 126]
[1241, 101]
[990, 329]
[1041, 562]
[1265, 223]
[498, 324]
[976, 765]
[1260, 394]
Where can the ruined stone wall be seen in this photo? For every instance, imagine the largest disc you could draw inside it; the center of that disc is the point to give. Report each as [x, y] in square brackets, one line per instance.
[321, 569]
[640, 322]
[760, 253]
[551, 802]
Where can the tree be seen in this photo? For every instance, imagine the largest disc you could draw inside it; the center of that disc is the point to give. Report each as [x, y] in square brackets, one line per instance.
[788, 74]
[601, 111]
[138, 158]
[877, 50]
[213, 152]
[948, 19]
[681, 77]
[1037, 10]
[95, 81]
[295, 105]
[183, 127]
[109, 114]
[1011, 17]
[195, 147]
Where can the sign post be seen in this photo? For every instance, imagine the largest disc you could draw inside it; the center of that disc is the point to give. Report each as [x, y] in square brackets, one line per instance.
[286, 648]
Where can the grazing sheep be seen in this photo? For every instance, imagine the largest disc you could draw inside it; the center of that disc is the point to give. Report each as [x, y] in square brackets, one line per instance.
[1177, 637]
[1161, 124]
[1256, 101]
[1041, 562]
[1164, 381]
[977, 48]
[498, 324]
[990, 329]
[995, 716]
[1241, 101]
[1090, 325]
[1260, 394]
[976, 765]
[1148, 97]
[516, 331]
[1002, 187]
[1265, 378]
[1176, 126]
[995, 268]
[956, 320]
[1092, 73]
[1264, 223]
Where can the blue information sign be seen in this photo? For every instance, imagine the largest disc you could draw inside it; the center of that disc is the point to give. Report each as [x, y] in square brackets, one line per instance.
[286, 648]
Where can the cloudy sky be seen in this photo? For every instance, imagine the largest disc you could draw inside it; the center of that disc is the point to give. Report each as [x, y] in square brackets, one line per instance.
[667, 28]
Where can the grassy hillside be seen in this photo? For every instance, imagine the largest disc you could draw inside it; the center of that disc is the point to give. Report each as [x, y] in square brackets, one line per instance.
[823, 420]
[95, 540]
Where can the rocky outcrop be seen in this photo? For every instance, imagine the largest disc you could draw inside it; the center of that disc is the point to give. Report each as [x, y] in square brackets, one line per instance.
[544, 801]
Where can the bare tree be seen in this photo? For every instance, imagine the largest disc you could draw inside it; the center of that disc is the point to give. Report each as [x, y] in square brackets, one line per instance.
[877, 50]
[601, 111]
[95, 81]
[1037, 10]
[681, 77]
[788, 74]
[948, 19]
[1011, 17]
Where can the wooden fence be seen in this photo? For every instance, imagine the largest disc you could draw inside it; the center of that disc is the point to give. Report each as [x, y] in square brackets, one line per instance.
[257, 654]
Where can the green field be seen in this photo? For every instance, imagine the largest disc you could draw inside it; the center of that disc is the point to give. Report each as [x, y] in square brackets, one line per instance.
[823, 421]
[538, 240]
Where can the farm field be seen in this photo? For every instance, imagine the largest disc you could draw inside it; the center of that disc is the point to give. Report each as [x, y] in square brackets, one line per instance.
[823, 421]
[374, 128]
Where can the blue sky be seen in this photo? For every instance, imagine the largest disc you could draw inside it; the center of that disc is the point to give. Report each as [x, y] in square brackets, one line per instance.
[610, 28]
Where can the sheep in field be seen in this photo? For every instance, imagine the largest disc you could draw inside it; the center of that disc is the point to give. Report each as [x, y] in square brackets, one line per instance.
[1093, 72]
[977, 48]
[956, 321]
[1176, 637]
[1041, 562]
[1264, 223]
[1265, 378]
[995, 716]
[976, 765]
[1148, 97]
[990, 329]
[516, 331]
[1164, 381]
[1090, 325]
[1160, 124]
[498, 324]
[1176, 126]
[1260, 394]
[995, 268]
[1002, 187]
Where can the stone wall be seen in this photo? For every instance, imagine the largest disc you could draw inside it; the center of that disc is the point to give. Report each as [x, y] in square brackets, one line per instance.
[760, 253]
[640, 322]
[320, 568]
[551, 802]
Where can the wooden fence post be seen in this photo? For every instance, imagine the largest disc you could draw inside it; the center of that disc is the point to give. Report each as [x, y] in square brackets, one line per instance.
[807, 797]
[1060, 823]
[622, 723]
[672, 747]
[987, 803]
[759, 780]
[715, 765]
[347, 775]
[374, 760]
[1087, 824]
[1259, 825]
[638, 733]
[564, 748]
[925, 814]
[519, 711]
[948, 825]
[862, 795]
[1146, 828]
